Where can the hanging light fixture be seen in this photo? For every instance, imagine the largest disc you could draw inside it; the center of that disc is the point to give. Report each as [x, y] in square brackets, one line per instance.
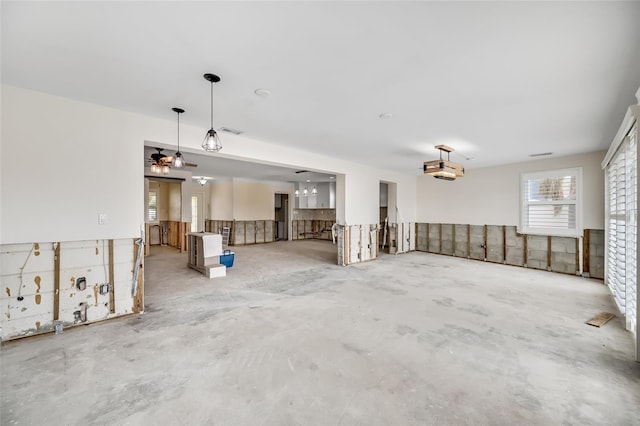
[314, 191]
[202, 181]
[178, 161]
[296, 192]
[305, 192]
[443, 169]
[211, 141]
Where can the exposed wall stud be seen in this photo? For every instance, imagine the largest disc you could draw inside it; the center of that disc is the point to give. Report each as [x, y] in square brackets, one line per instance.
[112, 278]
[56, 282]
[586, 243]
[549, 253]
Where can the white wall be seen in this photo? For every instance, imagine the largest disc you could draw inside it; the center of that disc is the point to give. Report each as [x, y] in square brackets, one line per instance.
[64, 162]
[491, 196]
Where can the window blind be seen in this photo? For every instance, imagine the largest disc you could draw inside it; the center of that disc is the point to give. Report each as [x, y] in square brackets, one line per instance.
[551, 202]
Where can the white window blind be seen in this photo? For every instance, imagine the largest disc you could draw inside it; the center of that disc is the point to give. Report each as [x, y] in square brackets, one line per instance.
[152, 211]
[551, 202]
[631, 228]
[194, 213]
[622, 230]
[616, 238]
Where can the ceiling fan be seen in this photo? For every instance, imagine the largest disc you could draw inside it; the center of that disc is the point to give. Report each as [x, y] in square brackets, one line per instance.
[161, 163]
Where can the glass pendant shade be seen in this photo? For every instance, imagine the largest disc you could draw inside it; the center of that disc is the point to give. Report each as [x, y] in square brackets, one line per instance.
[178, 161]
[155, 168]
[305, 192]
[314, 191]
[165, 169]
[297, 193]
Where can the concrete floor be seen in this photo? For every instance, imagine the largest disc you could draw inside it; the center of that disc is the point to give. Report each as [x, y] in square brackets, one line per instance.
[289, 338]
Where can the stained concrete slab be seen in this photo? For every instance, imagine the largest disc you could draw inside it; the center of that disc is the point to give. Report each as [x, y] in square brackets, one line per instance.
[289, 338]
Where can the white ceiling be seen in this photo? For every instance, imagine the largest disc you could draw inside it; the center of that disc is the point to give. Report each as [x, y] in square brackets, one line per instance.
[497, 81]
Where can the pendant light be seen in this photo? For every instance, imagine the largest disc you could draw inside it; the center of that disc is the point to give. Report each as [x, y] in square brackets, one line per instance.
[178, 161]
[211, 141]
[296, 192]
[305, 192]
[314, 191]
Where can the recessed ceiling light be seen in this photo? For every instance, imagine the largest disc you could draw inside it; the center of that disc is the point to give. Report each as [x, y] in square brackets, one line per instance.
[262, 92]
[308, 180]
[385, 115]
[542, 154]
[332, 177]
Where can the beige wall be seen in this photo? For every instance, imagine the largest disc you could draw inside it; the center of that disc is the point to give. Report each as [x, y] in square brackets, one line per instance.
[220, 200]
[174, 201]
[253, 201]
[491, 196]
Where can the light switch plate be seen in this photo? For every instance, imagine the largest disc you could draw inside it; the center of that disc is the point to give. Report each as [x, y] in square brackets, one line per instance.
[102, 218]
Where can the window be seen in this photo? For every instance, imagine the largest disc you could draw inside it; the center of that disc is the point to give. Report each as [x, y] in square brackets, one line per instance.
[552, 202]
[194, 213]
[152, 212]
[621, 223]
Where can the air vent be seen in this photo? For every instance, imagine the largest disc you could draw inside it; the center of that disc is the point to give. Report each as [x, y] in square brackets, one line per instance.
[542, 154]
[230, 130]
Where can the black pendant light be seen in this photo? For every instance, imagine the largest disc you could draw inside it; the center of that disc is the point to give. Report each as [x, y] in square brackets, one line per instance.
[178, 161]
[211, 141]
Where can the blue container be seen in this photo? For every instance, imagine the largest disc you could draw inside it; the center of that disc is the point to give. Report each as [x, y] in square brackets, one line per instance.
[226, 258]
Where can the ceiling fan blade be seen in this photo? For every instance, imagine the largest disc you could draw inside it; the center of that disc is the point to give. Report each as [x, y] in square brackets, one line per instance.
[190, 165]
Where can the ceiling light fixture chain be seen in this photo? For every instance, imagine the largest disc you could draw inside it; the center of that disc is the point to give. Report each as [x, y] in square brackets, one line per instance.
[211, 141]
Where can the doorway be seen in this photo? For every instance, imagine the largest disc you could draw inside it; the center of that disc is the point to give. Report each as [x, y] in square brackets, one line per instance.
[281, 216]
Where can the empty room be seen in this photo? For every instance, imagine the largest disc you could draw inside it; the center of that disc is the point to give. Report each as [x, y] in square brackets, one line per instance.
[319, 213]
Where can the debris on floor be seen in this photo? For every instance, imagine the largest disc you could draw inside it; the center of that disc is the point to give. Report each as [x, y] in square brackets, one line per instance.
[601, 319]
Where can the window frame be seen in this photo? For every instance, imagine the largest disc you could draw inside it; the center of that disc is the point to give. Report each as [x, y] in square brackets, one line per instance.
[578, 203]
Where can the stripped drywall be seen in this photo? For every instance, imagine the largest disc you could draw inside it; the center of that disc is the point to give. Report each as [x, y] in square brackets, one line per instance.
[503, 244]
[68, 283]
[357, 243]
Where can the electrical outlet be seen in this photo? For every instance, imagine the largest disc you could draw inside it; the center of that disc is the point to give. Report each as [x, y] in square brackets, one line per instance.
[81, 283]
[102, 218]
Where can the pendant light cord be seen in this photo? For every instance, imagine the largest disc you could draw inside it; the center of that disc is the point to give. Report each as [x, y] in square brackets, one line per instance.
[212, 104]
[178, 132]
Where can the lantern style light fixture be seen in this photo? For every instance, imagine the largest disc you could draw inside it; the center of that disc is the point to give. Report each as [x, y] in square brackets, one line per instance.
[177, 161]
[443, 169]
[211, 141]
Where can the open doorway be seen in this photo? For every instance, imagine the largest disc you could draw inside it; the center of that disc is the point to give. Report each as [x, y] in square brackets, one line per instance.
[388, 218]
[282, 216]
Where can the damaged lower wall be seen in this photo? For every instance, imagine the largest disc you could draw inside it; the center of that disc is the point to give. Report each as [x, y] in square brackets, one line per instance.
[357, 243]
[311, 229]
[70, 283]
[503, 244]
[401, 237]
